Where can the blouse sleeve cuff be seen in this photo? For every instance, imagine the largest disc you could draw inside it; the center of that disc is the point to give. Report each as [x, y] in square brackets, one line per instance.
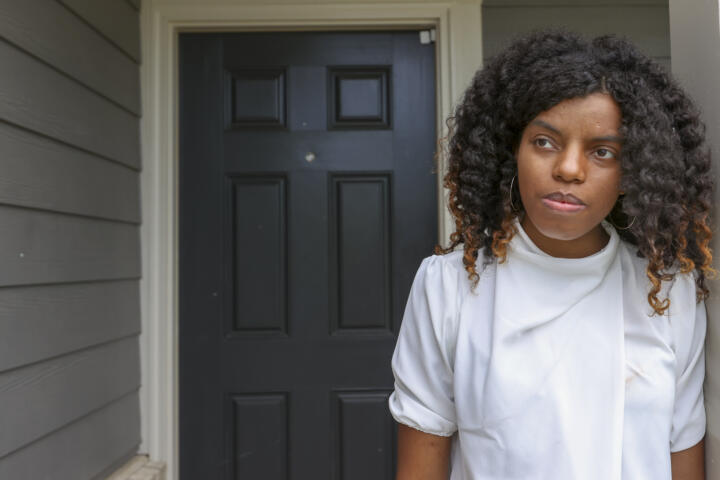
[410, 412]
[690, 436]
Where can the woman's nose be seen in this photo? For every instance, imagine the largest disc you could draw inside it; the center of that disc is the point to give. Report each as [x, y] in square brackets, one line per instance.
[570, 165]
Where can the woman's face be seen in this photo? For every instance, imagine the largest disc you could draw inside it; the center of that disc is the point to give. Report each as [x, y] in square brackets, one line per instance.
[569, 174]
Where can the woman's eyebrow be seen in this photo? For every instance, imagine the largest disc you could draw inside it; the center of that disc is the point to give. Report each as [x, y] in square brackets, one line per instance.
[606, 138]
[546, 125]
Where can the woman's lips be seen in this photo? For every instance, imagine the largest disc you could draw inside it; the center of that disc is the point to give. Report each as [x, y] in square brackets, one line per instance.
[563, 202]
[561, 206]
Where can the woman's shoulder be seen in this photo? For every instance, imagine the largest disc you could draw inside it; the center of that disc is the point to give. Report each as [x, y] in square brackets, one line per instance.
[440, 274]
[449, 269]
[445, 278]
[453, 261]
[441, 287]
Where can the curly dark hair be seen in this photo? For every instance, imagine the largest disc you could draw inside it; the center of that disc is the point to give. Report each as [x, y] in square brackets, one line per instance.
[665, 162]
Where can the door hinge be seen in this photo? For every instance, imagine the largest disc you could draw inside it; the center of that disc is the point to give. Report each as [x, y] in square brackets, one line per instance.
[427, 36]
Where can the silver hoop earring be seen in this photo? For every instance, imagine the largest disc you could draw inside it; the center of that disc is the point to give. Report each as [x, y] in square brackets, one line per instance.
[621, 228]
[512, 205]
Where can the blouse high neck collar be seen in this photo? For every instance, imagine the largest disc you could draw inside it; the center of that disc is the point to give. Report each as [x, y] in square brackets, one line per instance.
[535, 288]
[523, 247]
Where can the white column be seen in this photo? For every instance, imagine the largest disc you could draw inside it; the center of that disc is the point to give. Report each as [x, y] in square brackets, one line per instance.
[695, 55]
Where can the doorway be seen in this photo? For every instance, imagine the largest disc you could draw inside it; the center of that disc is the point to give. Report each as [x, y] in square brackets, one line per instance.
[307, 199]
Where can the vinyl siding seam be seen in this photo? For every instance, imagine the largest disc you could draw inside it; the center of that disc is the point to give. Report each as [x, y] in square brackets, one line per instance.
[134, 7]
[67, 75]
[72, 214]
[100, 33]
[134, 390]
[86, 348]
[71, 145]
[71, 282]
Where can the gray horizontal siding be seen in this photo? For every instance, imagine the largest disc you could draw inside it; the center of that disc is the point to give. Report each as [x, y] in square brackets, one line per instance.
[39, 98]
[81, 449]
[41, 247]
[77, 383]
[70, 249]
[646, 25]
[44, 174]
[72, 46]
[117, 20]
[65, 317]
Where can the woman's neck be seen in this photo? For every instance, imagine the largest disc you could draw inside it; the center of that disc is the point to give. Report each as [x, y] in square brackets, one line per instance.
[584, 246]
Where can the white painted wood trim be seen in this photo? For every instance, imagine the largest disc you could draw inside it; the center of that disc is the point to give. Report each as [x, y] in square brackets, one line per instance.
[458, 55]
[140, 468]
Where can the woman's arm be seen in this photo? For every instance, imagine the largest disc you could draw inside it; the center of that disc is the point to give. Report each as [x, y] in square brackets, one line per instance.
[689, 464]
[422, 456]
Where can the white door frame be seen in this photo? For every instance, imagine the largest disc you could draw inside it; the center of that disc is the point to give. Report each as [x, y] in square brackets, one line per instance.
[458, 55]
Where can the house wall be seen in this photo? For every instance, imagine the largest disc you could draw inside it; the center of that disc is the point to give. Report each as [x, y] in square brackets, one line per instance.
[695, 30]
[645, 22]
[69, 241]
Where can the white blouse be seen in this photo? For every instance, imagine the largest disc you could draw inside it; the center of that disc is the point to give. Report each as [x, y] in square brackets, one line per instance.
[553, 368]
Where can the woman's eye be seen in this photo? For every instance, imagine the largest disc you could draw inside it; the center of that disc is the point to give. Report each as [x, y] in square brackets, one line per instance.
[543, 142]
[604, 153]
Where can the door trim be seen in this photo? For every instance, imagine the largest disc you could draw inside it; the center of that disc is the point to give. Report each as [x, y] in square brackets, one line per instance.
[458, 47]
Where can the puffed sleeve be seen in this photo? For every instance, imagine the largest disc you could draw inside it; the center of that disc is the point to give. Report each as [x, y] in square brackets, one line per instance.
[422, 365]
[689, 322]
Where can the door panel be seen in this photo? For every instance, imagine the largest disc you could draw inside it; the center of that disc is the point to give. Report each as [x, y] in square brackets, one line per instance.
[307, 201]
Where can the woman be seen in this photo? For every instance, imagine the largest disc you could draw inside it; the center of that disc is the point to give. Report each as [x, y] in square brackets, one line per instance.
[565, 340]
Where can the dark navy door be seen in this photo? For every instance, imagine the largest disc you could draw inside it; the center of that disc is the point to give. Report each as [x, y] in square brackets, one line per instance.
[308, 197]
